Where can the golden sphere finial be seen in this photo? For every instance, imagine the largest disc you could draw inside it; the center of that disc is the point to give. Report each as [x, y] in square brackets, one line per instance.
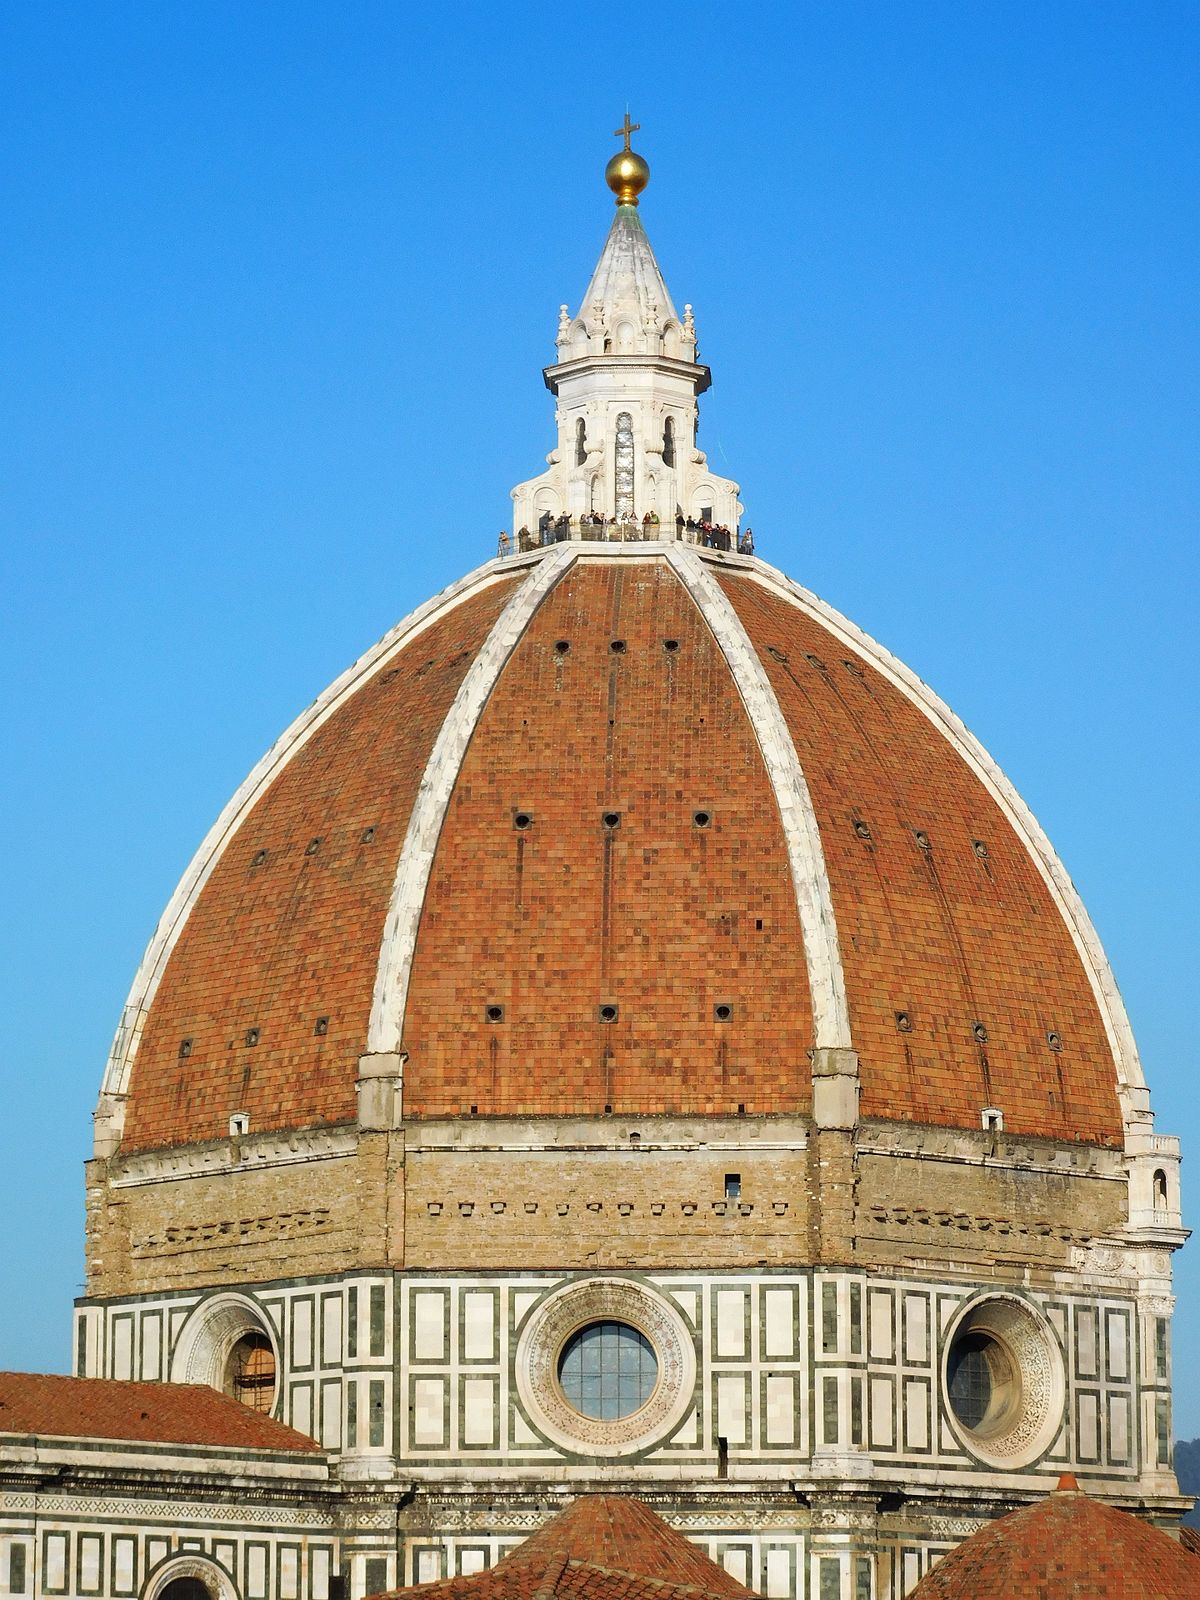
[627, 174]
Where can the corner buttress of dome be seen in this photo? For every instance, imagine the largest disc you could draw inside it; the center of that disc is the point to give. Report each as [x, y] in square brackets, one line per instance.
[108, 1124]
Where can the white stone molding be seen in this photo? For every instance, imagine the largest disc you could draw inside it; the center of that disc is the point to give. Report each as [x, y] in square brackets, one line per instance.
[254, 1510]
[162, 942]
[546, 1332]
[1106, 1259]
[388, 1002]
[215, 1579]
[1130, 1078]
[810, 878]
[228, 1157]
[1159, 1305]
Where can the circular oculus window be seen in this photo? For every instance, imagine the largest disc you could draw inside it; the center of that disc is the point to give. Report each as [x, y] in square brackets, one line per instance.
[1003, 1381]
[607, 1371]
[605, 1367]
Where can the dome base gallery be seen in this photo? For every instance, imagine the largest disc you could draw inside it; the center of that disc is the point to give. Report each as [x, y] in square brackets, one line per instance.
[626, 1034]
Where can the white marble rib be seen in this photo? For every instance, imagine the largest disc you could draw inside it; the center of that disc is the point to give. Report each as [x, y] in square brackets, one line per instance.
[1130, 1077]
[386, 1027]
[810, 878]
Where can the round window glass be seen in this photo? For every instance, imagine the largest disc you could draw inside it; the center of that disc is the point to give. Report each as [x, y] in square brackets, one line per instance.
[607, 1370]
[981, 1381]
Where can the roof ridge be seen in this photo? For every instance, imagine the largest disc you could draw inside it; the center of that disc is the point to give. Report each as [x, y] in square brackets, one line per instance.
[555, 1567]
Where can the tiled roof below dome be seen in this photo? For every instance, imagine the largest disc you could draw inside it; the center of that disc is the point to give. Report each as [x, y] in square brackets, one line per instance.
[52, 1407]
[602, 1547]
[1067, 1547]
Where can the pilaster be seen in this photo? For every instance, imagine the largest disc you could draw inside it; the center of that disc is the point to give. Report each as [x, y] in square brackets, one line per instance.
[380, 1164]
[832, 1155]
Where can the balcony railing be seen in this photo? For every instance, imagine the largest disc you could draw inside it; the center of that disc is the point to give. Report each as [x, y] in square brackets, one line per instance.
[610, 530]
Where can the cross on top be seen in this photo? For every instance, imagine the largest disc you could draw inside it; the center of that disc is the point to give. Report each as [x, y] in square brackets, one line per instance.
[626, 129]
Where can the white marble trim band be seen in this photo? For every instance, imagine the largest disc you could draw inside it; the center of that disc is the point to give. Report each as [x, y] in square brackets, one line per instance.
[1130, 1077]
[386, 1027]
[826, 979]
[171, 923]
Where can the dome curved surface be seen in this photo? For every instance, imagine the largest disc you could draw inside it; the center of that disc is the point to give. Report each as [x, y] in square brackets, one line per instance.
[801, 849]
[273, 944]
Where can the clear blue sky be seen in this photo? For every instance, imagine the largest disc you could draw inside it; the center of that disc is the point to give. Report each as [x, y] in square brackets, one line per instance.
[275, 288]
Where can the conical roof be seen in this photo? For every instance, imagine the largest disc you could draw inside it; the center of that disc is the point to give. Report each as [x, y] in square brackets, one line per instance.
[1067, 1547]
[602, 1547]
[627, 276]
[621, 1534]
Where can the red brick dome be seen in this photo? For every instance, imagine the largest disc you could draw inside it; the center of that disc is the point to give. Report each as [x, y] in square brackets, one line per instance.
[1068, 1547]
[631, 830]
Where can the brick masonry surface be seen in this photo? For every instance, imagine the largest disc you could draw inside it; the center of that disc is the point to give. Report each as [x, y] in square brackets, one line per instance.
[965, 987]
[275, 946]
[958, 934]
[659, 916]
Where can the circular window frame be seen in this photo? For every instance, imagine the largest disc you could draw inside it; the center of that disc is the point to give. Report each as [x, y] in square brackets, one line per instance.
[1028, 1425]
[544, 1337]
[208, 1338]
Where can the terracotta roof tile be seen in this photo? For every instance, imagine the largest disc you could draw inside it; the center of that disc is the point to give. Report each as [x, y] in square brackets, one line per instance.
[957, 933]
[964, 985]
[288, 926]
[150, 1413]
[602, 1547]
[1067, 1547]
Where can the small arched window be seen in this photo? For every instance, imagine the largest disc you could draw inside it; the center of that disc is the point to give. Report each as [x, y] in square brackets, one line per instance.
[668, 449]
[580, 442]
[250, 1372]
[1160, 1190]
